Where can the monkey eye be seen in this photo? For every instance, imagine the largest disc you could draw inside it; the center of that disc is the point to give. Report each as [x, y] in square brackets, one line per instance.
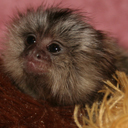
[54, 48]
[31, 40]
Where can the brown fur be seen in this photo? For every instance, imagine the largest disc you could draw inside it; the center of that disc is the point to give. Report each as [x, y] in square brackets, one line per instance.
[73, 75]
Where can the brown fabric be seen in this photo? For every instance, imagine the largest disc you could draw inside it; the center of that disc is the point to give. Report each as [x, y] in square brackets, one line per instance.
[18, 110]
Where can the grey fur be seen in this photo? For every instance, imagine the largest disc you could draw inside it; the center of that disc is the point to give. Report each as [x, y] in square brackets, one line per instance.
[73, 75]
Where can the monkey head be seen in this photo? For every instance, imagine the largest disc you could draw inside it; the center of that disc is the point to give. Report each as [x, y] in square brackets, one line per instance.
[55, 55]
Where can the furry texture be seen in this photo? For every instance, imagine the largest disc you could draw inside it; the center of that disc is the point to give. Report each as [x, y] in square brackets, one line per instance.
[74, 74]
[107, 15]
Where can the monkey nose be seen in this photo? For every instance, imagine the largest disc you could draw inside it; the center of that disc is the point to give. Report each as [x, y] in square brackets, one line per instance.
[41, 55]
[38, 56]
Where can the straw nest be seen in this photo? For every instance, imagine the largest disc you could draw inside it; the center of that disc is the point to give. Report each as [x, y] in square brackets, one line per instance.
[110, 112]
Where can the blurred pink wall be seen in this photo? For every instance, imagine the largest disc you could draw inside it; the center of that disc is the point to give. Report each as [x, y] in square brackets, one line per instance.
[108, 15]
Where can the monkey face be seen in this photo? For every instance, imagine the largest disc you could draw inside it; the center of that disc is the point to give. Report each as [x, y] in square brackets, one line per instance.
[53, 54]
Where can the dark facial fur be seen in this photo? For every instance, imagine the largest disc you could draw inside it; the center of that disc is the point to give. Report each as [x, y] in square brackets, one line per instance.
[54, 55]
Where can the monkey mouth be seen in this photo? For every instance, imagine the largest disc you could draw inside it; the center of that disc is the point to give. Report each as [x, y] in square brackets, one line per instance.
[36, 67]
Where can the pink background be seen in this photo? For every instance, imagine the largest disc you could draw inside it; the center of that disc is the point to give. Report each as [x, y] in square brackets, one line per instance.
[108, 15]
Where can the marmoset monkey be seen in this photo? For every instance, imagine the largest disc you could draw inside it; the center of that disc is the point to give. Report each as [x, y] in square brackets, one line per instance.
[53, 54]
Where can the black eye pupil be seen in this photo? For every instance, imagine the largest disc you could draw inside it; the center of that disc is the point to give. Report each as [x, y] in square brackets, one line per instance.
[53, 48]
[31, 40]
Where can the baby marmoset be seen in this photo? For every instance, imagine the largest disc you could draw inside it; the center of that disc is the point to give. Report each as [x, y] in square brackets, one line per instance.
[55, 55]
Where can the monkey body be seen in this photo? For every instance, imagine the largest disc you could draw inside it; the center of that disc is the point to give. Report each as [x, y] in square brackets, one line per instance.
[54, 55]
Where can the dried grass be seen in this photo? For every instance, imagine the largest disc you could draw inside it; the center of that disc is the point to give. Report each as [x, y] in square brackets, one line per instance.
[110, 113]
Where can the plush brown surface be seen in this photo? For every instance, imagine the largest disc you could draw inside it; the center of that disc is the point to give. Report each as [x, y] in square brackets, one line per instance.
[18, 110]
